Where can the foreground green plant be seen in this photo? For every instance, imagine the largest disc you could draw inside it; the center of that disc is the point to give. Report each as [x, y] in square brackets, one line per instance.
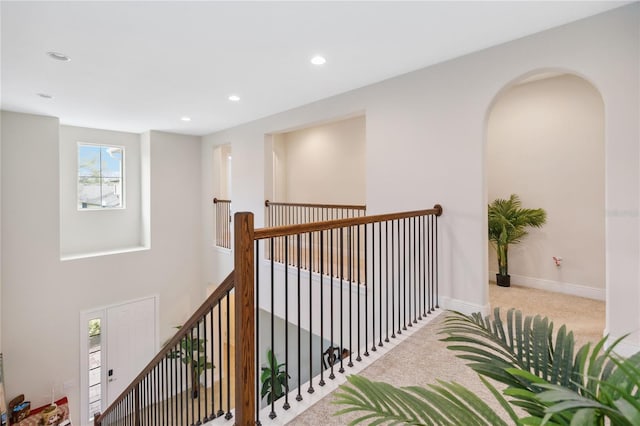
[541, 372]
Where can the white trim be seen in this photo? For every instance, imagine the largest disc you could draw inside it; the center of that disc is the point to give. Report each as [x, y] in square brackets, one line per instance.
[462, 306]
[103, 253]
[555, 286]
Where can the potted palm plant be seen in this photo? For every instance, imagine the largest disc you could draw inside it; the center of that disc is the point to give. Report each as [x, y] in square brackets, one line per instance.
[507, 223]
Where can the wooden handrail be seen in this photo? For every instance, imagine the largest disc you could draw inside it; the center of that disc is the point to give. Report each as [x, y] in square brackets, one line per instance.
[268, 203]
[281, 231]
[218, 200]
[218, 294]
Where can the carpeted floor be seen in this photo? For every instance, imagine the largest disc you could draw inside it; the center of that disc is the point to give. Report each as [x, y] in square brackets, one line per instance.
[422, 359]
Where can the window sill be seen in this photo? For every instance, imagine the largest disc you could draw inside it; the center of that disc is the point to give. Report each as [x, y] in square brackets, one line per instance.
[102, 253]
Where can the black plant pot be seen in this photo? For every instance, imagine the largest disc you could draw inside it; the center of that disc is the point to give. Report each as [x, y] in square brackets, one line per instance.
[503, 280]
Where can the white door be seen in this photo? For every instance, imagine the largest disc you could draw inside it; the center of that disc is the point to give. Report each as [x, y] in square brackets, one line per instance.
[130, 343]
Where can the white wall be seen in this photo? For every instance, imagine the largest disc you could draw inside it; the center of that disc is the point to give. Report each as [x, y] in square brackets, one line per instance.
[546, 143]
[84, 232]
[426, 134]
[326, 163]
[43, 296]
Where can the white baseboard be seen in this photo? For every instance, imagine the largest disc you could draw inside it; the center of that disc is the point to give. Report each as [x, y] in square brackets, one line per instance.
[555, 286]
[462, 306]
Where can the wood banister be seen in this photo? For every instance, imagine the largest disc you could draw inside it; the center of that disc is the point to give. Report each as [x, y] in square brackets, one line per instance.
[245, 316]
[268, 203]
[280, 231]
[218, 200]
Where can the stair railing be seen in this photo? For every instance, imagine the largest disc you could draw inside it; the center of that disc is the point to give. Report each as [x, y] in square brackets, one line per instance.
[343, 314]
[190, 380]
[223, 222]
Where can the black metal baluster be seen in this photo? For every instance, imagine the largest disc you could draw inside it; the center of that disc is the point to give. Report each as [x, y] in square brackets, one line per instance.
[257, 345]
[359, 358]
[436, 261]
[193, 380]
[350, 266]
[213, 369]
[331, 232]
[404, 275]
[373, 286]
[430, 246]
[379, 283]
[310, 390]
[272, 414]
[415, 295]
[220, 409]
[420, 269]
[166, 389]
[321, 383]
[341, 370]
[424, 265]
[182, 389]
[286, 405]
[299, 395]
[393, 276]
[229, 414]
[366, 295]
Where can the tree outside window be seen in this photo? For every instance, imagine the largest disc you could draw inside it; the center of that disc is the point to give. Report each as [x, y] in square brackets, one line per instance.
[100, 177]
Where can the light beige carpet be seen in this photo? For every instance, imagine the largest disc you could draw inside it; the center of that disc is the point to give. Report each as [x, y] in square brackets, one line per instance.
[422, 359]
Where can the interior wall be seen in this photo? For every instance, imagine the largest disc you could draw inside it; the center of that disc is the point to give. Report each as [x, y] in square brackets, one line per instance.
[43, 296]
[426, 144]
[326, 163]
[91, 231]
[545, 142]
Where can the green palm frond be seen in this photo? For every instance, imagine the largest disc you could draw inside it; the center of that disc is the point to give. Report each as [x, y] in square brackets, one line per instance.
[544, 375]
[440, 404]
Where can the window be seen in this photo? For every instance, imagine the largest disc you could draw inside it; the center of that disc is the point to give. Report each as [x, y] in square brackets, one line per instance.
[95, 368]
[100, 177]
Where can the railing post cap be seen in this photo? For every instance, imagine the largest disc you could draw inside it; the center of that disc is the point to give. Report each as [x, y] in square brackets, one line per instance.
[215, 200]
[438, 207]
[266, 203]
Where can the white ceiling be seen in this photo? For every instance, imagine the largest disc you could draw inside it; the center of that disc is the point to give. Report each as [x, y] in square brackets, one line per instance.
[137, 66]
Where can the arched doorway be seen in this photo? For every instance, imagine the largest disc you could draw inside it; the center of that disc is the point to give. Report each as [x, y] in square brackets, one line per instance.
[545, 142]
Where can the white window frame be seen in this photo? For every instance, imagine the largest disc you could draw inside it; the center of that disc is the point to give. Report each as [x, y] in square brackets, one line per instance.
[122, 176]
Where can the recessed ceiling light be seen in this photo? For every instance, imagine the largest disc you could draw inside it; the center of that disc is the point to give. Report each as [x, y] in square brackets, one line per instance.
[318, 60]
[45, 95]
[234, 98]
[59, 56]
[185, 118]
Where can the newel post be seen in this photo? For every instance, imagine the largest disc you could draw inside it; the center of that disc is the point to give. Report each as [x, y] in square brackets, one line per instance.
[245, 312]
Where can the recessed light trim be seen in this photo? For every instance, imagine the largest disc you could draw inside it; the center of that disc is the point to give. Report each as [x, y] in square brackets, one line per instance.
[45, 95]
[185, 118]
[58, 56]
[234, 98]
[318, 60]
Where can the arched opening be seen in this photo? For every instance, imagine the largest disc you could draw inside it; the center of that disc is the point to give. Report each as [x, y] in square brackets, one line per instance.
[545, 143]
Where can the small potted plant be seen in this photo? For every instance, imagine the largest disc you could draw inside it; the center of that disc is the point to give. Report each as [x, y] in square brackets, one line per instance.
[191, 351]
[507, 223]
[273, 389]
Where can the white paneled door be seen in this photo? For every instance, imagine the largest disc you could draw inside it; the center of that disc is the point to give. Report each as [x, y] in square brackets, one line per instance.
[130, 343]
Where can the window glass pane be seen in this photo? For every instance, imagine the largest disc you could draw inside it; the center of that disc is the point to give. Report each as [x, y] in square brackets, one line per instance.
[100, 176]
[95, 367]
